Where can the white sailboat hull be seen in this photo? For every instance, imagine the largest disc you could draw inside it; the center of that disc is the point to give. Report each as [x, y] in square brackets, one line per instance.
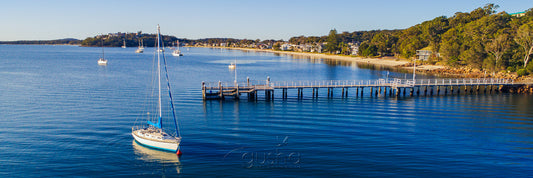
[176, 53]
[154, 143]
[102, 62]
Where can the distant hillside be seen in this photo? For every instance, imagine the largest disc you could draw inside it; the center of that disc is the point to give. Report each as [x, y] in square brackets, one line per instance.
[66, 41]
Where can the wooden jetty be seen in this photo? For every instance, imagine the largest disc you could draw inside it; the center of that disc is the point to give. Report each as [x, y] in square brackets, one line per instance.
[382, 87]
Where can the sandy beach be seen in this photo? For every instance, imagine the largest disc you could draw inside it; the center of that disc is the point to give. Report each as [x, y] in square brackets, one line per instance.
[385, 62]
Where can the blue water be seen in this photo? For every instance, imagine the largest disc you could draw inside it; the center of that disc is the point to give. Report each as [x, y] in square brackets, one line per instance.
[63, 115]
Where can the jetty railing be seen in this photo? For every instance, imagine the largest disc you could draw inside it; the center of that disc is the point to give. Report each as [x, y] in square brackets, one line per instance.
[220, 90]
[394, 83]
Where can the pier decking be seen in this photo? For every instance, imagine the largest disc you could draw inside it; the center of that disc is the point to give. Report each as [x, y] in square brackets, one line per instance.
[381, 87]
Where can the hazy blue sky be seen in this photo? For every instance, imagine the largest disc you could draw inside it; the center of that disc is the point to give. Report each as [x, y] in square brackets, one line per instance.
[193, 19]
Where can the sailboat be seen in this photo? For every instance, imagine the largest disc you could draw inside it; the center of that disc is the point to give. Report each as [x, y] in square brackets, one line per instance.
[153, 133]
[102, 61]
[124, 45]
[233, 65]
[177, 52]
[141, 47]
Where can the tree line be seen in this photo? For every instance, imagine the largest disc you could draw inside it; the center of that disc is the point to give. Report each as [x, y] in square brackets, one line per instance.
[481, 39]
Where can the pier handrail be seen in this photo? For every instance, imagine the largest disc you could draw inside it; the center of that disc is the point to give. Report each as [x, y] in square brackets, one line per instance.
[395, 83]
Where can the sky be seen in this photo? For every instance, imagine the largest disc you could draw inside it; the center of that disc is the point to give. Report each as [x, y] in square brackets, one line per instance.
[241, 19]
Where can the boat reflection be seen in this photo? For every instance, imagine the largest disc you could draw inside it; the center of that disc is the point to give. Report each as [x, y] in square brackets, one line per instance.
[152, 155]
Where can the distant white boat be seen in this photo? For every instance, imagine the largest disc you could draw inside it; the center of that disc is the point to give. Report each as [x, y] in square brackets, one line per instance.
[231, 66]
[124, 45]
[102, 61]
[177, 52]
[141, 47]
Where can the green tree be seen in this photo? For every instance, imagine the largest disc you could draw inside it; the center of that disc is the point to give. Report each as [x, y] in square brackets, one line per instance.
[451, 46]
[524, 37]
[333, 41]
[498, 46]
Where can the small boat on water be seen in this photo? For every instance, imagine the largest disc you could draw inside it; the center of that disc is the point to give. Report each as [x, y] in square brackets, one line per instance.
[124, 45]
[141, 47]
[177, 52]
[231, 66]
[153, 133]
[102, 61]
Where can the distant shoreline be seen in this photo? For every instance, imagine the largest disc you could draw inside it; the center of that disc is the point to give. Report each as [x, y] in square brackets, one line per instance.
[44, 44]
[385, 62]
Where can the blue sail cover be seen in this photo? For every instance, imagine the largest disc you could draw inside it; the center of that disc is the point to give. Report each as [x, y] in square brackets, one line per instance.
[158, 124]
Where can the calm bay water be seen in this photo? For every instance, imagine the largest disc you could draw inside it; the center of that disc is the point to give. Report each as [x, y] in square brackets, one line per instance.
[63, 115]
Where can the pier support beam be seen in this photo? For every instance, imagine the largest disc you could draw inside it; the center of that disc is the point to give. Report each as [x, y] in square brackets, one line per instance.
[220, 89]
[451, 92]
[203, 90]
[412, 91]
[426, 91]
[371, 91]
[431, 92]
[397, 92]
[346, 94]
[237, 94]
[438, 90]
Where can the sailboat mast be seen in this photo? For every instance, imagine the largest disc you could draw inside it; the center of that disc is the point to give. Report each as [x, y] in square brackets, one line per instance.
[102, 40]
[159, 70]
[235, 70]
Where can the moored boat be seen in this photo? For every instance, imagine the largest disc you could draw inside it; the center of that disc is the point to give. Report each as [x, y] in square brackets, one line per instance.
[152, 133]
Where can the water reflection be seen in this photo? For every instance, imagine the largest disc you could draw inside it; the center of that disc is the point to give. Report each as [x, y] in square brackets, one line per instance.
[151, 155]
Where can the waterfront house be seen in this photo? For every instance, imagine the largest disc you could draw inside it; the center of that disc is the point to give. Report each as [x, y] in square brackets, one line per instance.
[423, 55]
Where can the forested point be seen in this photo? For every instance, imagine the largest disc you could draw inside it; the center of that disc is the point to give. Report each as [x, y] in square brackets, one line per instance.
[66, 41]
